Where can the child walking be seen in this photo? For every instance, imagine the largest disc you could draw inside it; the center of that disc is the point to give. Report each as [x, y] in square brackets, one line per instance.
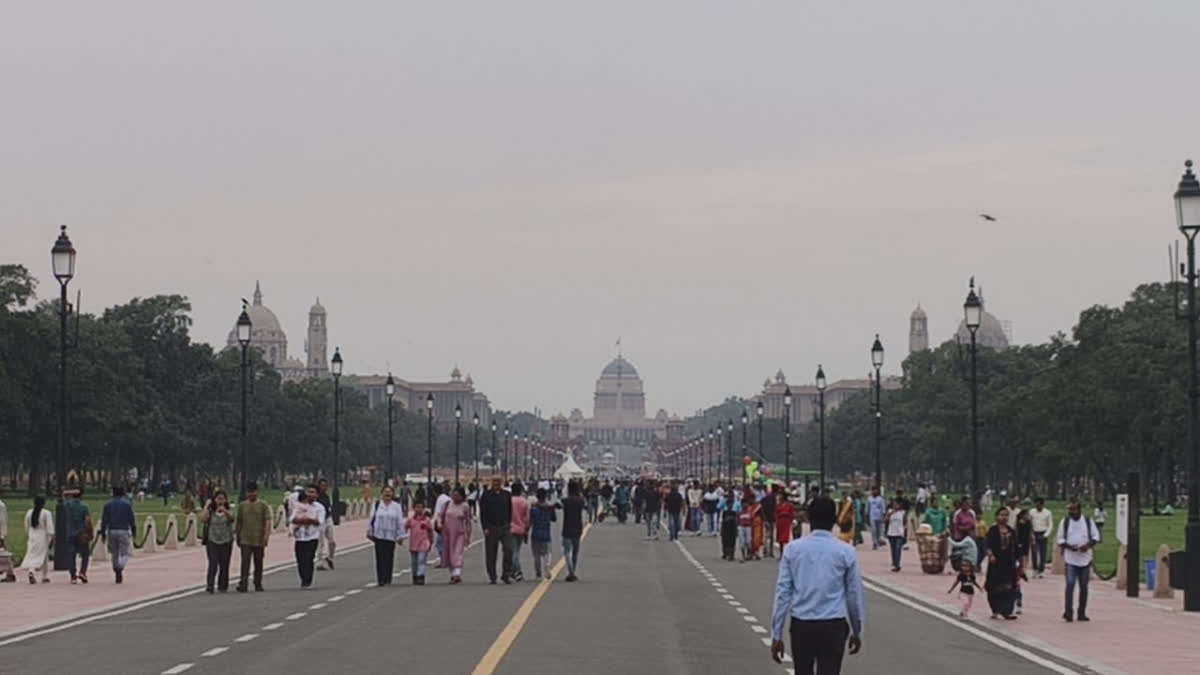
[540, 517]
[420, 541]
[966, 586]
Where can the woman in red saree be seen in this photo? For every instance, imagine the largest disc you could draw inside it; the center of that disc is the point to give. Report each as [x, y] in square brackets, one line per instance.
[757, 529]
[785, 515]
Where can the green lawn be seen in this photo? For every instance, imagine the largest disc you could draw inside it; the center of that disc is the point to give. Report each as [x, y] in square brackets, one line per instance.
[17, 506]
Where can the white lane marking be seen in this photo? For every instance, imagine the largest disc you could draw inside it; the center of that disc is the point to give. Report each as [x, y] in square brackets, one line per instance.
[750, 619]
[767, 641]
[317, 605]
[369, 584]
[742, 610]
[734, 603]
[125, 607]
[214, 651]
[336, 598]
[727, 596]
[175, 670]
[272, 626]
[297, 615]
[245, 638]
[984, 635]
[758, 629]
[354, 591]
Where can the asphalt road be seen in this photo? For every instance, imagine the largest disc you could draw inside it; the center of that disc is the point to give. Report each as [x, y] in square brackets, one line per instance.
[639, 607]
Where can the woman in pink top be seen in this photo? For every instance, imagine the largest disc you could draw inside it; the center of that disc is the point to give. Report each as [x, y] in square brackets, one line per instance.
[519, 528]
[420, 540]
[456, 529]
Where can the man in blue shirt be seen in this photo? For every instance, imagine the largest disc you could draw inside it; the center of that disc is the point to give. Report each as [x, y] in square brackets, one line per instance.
[821, 588]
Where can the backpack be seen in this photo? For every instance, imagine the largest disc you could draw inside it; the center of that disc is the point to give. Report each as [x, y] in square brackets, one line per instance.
[1062, 527]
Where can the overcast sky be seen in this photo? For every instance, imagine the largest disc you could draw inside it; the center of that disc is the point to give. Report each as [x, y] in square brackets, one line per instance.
[731, 188]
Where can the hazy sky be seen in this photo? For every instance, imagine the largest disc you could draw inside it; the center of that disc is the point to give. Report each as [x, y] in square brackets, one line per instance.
[510, 186]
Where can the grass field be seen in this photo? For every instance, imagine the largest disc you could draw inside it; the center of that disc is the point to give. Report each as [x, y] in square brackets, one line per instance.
[17, 506]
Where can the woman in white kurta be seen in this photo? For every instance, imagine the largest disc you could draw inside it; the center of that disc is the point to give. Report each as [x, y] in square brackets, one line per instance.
[39, 528]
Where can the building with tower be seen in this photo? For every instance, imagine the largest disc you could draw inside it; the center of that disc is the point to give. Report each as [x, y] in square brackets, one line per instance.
[918, 331]
[316, 346]
[992, 332]
[268, 337]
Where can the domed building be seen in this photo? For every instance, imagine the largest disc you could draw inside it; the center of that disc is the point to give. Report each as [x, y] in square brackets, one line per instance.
[991, 332]
[619, 412]
[269, 338]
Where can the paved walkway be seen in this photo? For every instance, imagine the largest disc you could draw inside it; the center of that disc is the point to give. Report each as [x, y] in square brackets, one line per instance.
[1125, 634]
[148, 575]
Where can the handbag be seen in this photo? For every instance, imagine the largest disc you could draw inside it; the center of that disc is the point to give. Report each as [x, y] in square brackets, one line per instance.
[84, 536]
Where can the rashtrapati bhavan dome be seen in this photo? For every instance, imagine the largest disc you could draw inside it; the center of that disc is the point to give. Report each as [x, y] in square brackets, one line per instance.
[267, 336]
[619, 410]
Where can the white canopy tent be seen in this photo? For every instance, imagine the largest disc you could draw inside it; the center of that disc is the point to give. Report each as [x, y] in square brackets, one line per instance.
[569, 470]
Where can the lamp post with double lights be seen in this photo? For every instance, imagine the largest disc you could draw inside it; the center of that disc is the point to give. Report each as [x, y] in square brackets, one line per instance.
[243, 338]
[877, 361]
[787, 438]
[429, 444]
[1187, 211]
[973, 317]
[62, 260]
[821, 384]
[335, 368]
[389, 388]
[457, 439]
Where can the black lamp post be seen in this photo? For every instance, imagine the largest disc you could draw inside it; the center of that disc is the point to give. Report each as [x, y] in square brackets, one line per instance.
[336, 370]
[389, 388]
[973, 311]
[243, 338]
[62, 259]
[877, 361]
[475, 423]
[787, 438]
[710, 455]
[507, 462]
[429, 445]
[493, 452]
[821, 384]
[1187, 210]
[759, 411]
[457, 439]
[729, 450]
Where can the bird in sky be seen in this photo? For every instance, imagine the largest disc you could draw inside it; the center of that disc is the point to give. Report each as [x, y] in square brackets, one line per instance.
[989, 218]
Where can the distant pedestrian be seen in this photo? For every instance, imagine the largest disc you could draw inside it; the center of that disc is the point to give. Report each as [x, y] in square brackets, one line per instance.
[307, 520]
[216, 525]
[820, 589]
[651, 501]
[1042, 521]
[117, 525]
[1099, 516]
[785, 518]
[708, 505]
[767, 505]
[896, 532]
[1002, 570]
[674, 506]
[728, 506]
[456, 530]
[386, 530]
[1077, 536]
[495, 517]
[540, 517]
[572, 529]
[965, 582]
[6, 561]
[876, 508]
[252, 529]
[441, 501]
[79, 533]
[327, 544]
[39, 533]
[519, 527]
[420, 540]
[621, 500]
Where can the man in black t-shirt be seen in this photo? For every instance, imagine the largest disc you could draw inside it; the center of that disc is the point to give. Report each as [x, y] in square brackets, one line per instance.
[572, 528]
[674, 504]
[768, 511]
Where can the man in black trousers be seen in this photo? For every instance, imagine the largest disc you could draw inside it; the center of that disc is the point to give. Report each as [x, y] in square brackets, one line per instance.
[495, 517]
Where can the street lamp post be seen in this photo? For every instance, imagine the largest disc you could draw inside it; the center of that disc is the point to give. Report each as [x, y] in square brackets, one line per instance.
[389, 388]
[457, 439]
[709, 457]
[493, 453]
[336, 370]
[243, 338]
[729, 450]
[973, 311]
[759, 410]
[506, 463]
[1187, 209]
[475, 423]
[877, 361]
[62, 259]
[821, 384]
[787, 438]
[429, 445]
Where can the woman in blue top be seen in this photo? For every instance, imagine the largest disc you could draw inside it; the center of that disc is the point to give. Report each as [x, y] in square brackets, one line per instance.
[540, 517]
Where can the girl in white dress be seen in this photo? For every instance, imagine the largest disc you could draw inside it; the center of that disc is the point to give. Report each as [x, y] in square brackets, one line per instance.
[39, 528]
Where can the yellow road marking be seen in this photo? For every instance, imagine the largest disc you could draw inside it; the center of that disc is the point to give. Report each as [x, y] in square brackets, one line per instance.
[491, 660]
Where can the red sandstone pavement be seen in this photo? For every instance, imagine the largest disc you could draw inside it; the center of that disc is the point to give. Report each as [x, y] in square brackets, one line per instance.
[147, 575]
[1125, 635]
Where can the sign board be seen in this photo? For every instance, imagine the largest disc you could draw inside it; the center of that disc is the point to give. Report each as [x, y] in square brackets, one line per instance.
[1122, 518]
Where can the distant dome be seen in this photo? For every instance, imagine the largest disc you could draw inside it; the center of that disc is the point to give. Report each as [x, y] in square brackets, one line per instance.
[990, 333]
[456, 374]
[918, 313]
[619, 367]
[264, 325]
[317, 308]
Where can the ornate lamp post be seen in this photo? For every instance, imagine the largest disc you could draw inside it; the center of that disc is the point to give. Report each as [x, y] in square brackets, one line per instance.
[973, 311]
[475, 423]
[429, 445]
[821, 384]
[389, 388]
[1187, 211]
[457, 439]
[877, 361]
[787, 438]
[493, 451]
[62, 259]
[710, 455]
[729, 450]
[336, 369]
[507, 462]
[759, 411]
[243, 338]
[745, 446]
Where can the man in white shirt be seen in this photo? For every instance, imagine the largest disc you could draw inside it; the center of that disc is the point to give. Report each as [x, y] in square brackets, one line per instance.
[1077, 536]
[308, 516]
[439, 515]
[1041, 520]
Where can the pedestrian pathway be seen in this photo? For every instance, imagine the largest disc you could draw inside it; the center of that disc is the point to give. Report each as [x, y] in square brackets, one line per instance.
[1125, 635]
[148, 577]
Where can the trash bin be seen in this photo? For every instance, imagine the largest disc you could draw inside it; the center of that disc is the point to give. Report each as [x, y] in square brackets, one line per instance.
[1151, 568]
